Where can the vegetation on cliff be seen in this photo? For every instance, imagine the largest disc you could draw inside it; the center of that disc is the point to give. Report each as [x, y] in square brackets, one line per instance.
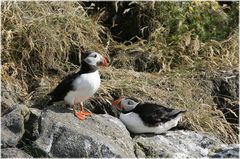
[173, 48]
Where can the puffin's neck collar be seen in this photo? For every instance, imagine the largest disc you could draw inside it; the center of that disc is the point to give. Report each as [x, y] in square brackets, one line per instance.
[86, 68]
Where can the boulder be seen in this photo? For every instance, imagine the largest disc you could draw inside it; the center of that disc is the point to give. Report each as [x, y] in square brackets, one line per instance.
[14, 153]
[32, 125]
[175, 144]
[8, 99]
[227, 151]
[63, 135]
[13, 126]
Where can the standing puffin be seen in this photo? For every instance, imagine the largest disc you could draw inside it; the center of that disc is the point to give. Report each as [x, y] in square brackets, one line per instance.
[146, 117]
[78, 87]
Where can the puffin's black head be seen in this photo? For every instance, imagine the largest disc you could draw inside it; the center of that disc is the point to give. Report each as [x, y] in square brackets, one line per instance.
[85, 54]
[94, 58]
[126, 104]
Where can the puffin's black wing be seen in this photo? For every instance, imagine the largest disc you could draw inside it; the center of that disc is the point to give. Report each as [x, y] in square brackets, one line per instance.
[65, 86]
[154, 114]
[62, 88]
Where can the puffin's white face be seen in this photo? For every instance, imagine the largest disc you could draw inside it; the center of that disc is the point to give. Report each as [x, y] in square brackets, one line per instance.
[125, 104]
[96, 59]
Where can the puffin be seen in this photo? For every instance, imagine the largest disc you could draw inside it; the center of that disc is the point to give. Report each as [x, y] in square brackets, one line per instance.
[78, 87]
[146, 117]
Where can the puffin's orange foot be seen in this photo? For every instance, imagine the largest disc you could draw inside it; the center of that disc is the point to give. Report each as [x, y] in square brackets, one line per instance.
[82, 115]
[86, 113]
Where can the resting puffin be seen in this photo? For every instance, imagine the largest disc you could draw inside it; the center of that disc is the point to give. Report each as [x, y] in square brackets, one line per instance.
[78, 87]
[146, 117]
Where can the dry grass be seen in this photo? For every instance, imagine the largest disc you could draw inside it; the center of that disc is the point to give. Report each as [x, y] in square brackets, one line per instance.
[39, 36]
[188, 53]
[41, 39]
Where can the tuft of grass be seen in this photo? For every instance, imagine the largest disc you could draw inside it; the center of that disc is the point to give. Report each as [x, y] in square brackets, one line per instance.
[188, 53]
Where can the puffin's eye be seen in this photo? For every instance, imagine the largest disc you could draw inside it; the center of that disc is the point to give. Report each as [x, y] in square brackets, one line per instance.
[95, 56]
[130, 103]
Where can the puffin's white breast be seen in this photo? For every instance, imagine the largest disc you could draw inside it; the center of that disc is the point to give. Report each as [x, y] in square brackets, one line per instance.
[85, 86]
[135, 124]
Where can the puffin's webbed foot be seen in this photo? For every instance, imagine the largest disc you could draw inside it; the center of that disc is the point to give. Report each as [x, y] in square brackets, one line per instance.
[82, 114]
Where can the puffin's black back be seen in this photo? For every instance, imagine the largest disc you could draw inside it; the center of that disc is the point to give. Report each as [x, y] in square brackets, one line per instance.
[66, 84]
[154, 114]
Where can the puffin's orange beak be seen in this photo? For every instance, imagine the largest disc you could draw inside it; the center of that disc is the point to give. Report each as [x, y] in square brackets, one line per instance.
[105, 62]
[116, 102]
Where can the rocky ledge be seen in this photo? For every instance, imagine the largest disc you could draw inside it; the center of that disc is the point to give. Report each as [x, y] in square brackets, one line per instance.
[55, 132]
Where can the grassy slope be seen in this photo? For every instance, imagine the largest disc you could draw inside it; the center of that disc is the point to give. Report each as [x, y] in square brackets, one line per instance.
[37, 49]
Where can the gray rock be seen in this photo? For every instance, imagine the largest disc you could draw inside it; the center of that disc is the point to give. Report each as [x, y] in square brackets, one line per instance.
[13, 126]
[175, 144]
[227, 151]
[8, 99]
[32, 125]
[226, 94]
[63, 135]
[14, 153]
